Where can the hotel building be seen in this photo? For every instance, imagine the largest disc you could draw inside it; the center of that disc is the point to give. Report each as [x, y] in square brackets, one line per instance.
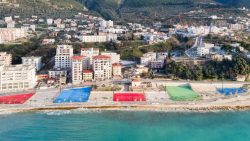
[17, 77]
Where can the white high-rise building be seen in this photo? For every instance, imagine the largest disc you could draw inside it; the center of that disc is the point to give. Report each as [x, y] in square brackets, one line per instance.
[63, 56]
[115, 58]
[77, 69]
[33, 60]
[102, 67]
[89, 53]
[5, 58]
[17, 77]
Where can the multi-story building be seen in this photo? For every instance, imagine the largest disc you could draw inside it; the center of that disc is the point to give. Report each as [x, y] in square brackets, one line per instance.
[117, 69]
[115, 58]
[204, 49]
[98, 38]
[5, 58]
[17, 77]
[102, 67]
[77, 69]
[63, 56]
[89, 53]
[147, 58]
[33, 60]
[236, 27]
[57, 73]
[157, 64]
[11, 34]
[106, 24]
[87, 75]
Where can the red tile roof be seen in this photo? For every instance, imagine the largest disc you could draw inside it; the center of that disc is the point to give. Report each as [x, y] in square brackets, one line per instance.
[116, 65]
[101, 57]
[77, 57]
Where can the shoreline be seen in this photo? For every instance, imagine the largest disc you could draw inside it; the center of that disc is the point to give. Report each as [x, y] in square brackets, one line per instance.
[158, 108]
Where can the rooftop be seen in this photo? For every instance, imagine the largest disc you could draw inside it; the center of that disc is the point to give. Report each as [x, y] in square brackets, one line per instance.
[116, 65]
[101, 57]
[77, 58]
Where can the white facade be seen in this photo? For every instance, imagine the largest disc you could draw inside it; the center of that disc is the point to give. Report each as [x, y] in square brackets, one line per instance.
[63, 56]
[157, 64]
[57, 73]
[33, 60]
[106, 24]
[89, 53]
[202, 51]
[147, 58]
[49, 21]
[102, 67]
[5, 58]
[11, 34]
[117, 69]
[98, 38]
[115, 58]
[17, 77]
[77, 69]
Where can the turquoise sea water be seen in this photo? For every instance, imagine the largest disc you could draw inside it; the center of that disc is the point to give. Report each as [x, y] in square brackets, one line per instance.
[125, 126]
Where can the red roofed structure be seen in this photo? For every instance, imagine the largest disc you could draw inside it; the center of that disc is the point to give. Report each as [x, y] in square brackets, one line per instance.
[116, 65]
[129, 97]
[76, 58]
[101, 57]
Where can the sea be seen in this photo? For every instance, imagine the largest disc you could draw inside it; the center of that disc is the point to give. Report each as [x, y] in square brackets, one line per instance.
[87, 125]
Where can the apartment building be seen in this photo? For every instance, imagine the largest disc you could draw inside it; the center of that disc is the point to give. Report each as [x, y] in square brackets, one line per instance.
[115, 58]
[157, 64]
[117, 69]
[77, 69]
[11, 34]
[57, 73]
[89, 53]
[147, 58]
[98, 38]
[33, 60]
[102, 67]
[63, 56]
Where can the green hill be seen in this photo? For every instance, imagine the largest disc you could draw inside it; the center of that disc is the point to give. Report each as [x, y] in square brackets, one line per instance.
[121, 10]
[42, 8]
[143, 10]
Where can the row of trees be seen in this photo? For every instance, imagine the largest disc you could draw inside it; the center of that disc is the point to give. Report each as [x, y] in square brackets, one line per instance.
[210, 70]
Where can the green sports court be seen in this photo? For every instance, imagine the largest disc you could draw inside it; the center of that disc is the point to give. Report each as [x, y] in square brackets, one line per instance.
[182, 93]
